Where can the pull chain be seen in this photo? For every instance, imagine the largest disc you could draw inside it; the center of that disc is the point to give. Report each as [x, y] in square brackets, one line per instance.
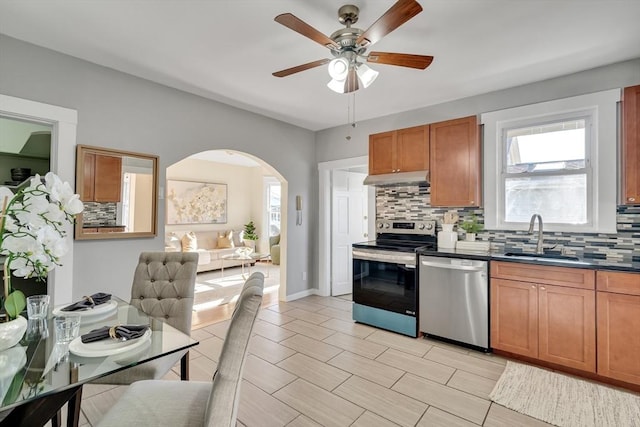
[351, 107]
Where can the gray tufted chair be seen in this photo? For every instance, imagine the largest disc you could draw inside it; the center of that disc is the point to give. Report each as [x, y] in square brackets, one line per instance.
[163, 287]
[196, 403]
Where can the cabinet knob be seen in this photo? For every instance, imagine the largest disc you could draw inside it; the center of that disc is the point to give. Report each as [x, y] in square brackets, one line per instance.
[631, 199]
[533, 286]
[542, 288]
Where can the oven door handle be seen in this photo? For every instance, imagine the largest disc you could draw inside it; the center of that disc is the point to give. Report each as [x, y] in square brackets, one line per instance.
[392, 259]
[452, 266]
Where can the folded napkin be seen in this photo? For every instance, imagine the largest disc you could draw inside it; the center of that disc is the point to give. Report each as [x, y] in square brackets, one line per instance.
[122, 332]
[88, 302]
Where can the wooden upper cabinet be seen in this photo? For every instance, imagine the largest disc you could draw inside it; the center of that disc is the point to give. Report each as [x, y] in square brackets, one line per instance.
[102, 178]
[87, 193]
[403, 150]
[455, 171]
[412, 149]
[382, 153]
[108, 178]
[631, 145]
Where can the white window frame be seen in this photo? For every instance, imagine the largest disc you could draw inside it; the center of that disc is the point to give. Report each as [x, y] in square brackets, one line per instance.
[601, 156]
[590, 158]
[269, 181]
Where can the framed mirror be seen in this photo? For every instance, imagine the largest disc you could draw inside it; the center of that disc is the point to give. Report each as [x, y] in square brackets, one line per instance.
[119, 190]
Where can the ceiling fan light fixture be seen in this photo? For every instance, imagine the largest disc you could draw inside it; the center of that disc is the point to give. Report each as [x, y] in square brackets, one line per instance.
[336, 85]
[366, 75]
[339, 68]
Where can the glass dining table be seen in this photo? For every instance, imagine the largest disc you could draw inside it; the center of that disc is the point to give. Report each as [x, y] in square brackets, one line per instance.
[38, 376]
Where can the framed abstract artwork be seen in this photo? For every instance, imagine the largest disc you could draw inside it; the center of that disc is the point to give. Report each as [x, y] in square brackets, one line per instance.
[190, 202]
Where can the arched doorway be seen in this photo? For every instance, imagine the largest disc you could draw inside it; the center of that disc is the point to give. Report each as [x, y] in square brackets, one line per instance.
[235, 184]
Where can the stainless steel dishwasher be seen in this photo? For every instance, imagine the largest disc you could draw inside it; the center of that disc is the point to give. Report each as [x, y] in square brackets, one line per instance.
[454, 300]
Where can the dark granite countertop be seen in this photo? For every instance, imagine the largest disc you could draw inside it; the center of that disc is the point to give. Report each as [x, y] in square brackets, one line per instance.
[591, 263]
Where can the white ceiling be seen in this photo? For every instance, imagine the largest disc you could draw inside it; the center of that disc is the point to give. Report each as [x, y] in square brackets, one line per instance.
[227, 50]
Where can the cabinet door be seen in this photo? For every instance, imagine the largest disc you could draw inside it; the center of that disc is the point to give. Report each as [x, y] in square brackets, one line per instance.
[87, 193]
[566, 323]
[108, 178]
[619, 336]
[455, 163]
[514, 317]
[631, 145]
[382, 153]
[413, 149]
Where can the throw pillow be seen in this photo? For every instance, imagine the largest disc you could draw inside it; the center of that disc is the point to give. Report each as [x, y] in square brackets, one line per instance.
[237, 238]
[225, 240]
[189, 242]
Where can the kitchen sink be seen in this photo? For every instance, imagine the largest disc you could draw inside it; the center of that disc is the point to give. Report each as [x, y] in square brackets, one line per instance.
[543, 256]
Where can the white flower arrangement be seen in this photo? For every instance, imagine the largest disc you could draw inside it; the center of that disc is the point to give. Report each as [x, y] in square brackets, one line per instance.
[33, 235]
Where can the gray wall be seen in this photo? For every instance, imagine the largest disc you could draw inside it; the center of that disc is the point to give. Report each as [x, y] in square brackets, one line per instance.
[119, 111]
[332, 145]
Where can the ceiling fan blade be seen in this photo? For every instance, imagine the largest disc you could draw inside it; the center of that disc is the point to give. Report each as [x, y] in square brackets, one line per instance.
[299, 26]
[397, 15]
[303, 67]
[400, 59]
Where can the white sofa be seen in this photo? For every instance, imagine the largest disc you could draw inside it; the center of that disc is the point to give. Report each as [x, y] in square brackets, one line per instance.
[210, 255]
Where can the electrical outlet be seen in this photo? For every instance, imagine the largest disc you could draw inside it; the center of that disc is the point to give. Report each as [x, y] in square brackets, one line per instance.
[304, 275]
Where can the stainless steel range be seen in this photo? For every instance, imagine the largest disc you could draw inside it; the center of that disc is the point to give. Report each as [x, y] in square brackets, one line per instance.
[384, 275]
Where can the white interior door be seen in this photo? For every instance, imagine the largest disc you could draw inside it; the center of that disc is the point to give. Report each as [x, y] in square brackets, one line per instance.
[348, 225]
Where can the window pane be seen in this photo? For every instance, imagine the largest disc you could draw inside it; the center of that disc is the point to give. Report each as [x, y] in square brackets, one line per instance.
[274, 209]
[552, 146]
[559, 199]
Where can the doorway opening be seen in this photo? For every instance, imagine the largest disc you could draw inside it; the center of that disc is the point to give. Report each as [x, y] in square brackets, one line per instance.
[247, 194]
[347, 215]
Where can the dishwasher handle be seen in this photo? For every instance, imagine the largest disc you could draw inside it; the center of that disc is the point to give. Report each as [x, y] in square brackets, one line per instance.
[452, 266]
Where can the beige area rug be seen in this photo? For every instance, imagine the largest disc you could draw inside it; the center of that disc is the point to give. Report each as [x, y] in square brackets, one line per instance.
[563, 400]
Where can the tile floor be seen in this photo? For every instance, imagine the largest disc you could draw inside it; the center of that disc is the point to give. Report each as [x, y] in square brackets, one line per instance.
[310, 365]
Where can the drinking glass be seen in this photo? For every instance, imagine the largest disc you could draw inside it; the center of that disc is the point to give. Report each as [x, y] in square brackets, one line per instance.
[37, 329]
[37, 306]
[67, 329]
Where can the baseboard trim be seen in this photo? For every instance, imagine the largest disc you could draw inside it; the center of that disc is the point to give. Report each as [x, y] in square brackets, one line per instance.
[302, 294]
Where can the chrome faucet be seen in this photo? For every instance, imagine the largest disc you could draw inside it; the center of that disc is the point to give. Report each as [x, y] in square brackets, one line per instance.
[539, 249]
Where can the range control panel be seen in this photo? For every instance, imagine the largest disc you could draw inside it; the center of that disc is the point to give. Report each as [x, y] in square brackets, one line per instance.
[407, 227]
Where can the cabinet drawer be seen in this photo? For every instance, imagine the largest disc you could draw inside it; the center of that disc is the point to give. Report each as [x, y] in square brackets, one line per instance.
[620, 283]
[550, 275]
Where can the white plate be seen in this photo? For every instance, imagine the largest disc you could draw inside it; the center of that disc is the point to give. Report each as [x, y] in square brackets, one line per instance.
[98, 310]
[107, 347]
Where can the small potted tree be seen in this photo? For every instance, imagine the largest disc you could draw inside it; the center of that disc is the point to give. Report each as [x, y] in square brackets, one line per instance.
[250, 235]
[471, 228]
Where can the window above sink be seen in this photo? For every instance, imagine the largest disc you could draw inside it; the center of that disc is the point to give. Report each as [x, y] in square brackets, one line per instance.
[556, 159]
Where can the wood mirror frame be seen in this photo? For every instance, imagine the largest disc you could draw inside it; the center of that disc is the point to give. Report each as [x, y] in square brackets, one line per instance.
[120, 193]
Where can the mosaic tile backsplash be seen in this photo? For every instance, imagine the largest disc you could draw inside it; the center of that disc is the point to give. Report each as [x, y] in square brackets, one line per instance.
[99, 213]
[413, 202]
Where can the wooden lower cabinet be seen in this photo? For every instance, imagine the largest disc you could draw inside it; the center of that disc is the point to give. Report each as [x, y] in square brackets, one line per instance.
[541, 321]
[619, 326]
[514, 317]
[567, 327]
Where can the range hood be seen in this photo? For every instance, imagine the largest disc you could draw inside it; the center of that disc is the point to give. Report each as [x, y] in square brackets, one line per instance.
[399, 178]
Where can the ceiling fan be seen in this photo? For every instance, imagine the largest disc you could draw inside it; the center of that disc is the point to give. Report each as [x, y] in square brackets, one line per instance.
[349, 45]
